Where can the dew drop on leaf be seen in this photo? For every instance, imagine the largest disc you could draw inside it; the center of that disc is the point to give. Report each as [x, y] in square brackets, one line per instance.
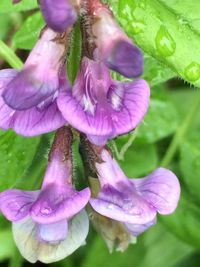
[165, 43]
[192, 72]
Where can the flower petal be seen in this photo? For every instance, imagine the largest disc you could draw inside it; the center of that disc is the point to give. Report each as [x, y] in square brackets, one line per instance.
[137, 229]
[33, 121]
[125, 58]
[130, 101]
[25, 236]
[16, 204]
[25, 90]
[161, 189]
[6, 76]
[52, 233]
[58, 14]
[123, 206]
[57, 203]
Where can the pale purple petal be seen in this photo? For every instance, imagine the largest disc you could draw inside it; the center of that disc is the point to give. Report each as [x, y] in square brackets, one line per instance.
[58, 14]
[161, 189]
[56, 203]
[52, 233]
[137, 229]
[25, 90]
[31, 122]
[16, 204]
[6, 76]
[109, 172]
[130, 102]
[123, 206]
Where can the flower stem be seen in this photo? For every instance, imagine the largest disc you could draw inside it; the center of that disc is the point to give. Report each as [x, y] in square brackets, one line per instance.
[9, 56]
[180, 133]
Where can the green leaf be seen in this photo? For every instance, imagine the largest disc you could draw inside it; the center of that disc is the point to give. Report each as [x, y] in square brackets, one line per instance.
[156, 72]
[7, 6]
[138, 159]
[7, 244]
[161, 32]
[185, 221]
[161, 121]
[27, 35]
[190, 164]
[16, 153]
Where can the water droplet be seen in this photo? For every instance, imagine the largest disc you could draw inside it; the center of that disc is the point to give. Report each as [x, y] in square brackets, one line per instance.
[165, 43]
[137, 26]
[192, 72]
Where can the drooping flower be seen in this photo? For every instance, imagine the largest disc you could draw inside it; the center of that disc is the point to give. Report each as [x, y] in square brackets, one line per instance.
[59, 14]
[114, 47]
[28, 97]
[103, 108]
[49, 224]
[134, 202]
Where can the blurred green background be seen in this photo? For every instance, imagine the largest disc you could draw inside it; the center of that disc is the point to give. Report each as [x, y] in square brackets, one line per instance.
[169, 135]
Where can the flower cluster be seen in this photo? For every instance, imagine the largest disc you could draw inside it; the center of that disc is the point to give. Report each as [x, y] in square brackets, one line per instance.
[51, 223]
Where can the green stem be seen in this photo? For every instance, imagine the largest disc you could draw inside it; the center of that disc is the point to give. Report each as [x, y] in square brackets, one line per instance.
[9, 56]
[179, 136]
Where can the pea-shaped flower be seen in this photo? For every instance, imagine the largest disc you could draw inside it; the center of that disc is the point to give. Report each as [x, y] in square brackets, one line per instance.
[134, 202]
[101, 107]
[28, 97]
[51, 223]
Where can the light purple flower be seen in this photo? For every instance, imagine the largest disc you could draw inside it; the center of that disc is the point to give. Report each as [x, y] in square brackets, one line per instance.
[59, 14]
[28, 97]
[101, 107]
[134, 202]
[114, 47]
[49, 215]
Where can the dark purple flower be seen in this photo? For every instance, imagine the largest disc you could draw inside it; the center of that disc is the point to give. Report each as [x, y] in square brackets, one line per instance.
[59, 14]
[28, 97]
[101, 107]
[134, 202]
[48, 224]
[114, 47]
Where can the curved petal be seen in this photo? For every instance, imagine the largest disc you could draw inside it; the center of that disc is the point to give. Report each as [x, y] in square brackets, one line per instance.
[33, 250]
[6, 76]
[57, 203]
[58, 14]
[52, 233]
[130, 102]
[33, 121]
[25, 90]
[16, 204]
[125, 58]
[161, 189]
[137, 229]
[123, 206]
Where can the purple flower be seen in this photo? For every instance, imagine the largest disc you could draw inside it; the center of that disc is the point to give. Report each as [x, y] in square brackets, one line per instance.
[28, 97]
[101, 107]
[114, 47]
[49, 224]
[59, 14]
[134, 202]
